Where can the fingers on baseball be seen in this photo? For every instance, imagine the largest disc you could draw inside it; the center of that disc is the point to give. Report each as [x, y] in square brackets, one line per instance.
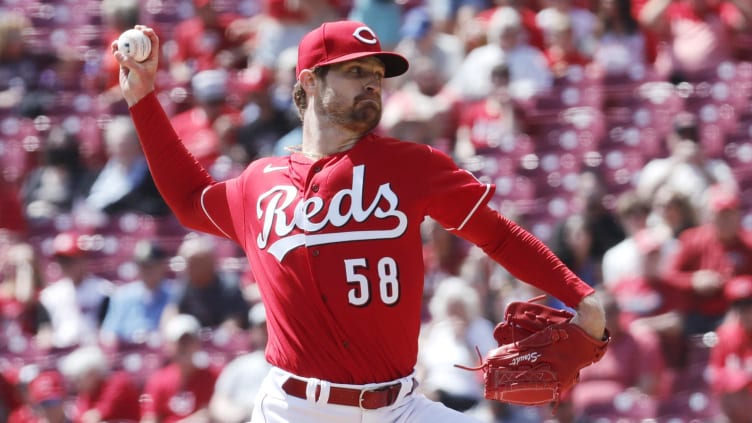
[149, 32]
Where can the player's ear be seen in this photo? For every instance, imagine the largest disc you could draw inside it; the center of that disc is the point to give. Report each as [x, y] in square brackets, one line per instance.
[307, 79]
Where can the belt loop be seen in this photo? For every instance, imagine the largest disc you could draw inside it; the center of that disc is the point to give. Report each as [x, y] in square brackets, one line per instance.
[311, 387]
[407, 385]
[324, 393]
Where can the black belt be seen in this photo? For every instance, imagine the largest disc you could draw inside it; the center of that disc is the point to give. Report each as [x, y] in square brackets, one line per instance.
[369, 399]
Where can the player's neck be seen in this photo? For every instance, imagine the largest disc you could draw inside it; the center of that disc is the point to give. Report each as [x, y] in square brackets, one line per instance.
[323, 140]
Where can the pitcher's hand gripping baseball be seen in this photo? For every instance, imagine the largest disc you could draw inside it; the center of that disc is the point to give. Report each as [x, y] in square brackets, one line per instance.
[540, 354]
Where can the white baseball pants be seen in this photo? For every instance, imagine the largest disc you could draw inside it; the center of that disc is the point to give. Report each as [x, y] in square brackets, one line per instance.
[274, 405]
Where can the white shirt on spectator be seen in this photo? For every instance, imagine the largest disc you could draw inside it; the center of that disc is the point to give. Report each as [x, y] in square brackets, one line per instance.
[74, 310]
[528, 72]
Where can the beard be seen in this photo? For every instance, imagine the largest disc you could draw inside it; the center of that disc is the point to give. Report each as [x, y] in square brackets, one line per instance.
[360, 115]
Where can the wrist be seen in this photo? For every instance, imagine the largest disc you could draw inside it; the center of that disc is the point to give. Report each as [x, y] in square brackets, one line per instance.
[591, 316]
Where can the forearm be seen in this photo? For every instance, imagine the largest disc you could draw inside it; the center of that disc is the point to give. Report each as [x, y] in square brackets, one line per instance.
[675, 276]
[180, 179]
[524, 256]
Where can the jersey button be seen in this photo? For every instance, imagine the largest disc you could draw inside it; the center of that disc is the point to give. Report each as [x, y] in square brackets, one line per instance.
[317, 169]
[315, 253]
[315, 188]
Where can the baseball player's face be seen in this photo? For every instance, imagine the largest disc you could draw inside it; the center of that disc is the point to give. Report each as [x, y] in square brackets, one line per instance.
[350, 94]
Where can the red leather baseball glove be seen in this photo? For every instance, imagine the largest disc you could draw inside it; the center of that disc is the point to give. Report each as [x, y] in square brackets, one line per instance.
[540, 354]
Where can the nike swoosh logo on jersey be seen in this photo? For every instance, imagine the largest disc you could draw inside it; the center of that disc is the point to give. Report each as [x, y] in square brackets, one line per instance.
[270, 168]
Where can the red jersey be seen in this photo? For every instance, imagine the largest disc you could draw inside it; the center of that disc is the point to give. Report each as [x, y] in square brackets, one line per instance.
[699, 248]
[488, 127]
[335, 245]
[116, 399]
[731, 358]
[170, 398]
[23, 414]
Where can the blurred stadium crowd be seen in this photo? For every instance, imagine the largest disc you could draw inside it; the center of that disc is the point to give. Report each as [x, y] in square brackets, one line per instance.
[617, 131]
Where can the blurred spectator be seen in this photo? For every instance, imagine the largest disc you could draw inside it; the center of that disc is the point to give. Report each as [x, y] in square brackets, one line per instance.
[451, 16]
[239, 381]
[289, 142]
[379, 16]
[673, 210]
[528, 10]
[52, 187]
[640, 290]
[573, 244]
[283, 23]
[212, 296]
[26, 88]
[77, 301]
[486, 124]
[696, 35]
[99, 394]
[137, 308]
[47, 398]
[182, 389]
[624, 258]
[468, 21]
[620, 43]
[590, 231]
[561, 50]
[630, 372]
[708, 256]
[124, 184]
[730, 362]
[647, 303]
[206, 41]
[686, 169]
[456, 328]
[582, 24]
[419, 111]
[528, 69]
[490, 411]
[264, 121]
[421, 38]
[22, 280]
[283, 82]
[209, 128]
[496, 287]
[20, 378]
[9, 398]
[12, 217]
[443, 255]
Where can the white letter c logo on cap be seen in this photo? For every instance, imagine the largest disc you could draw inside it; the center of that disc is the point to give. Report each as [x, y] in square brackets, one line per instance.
[369, 38]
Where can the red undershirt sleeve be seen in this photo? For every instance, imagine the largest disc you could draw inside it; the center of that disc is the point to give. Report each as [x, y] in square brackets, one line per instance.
[196, 199]
[524, 256]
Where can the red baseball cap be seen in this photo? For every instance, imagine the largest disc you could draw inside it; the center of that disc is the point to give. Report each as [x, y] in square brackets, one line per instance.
[47, 386]
[341, 41]
[67, 244]
[722, 198]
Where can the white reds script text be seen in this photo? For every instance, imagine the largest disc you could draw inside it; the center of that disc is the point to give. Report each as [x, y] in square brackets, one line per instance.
[313, 215]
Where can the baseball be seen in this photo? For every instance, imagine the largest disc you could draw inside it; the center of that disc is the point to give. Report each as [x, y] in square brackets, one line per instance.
[134, 43]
